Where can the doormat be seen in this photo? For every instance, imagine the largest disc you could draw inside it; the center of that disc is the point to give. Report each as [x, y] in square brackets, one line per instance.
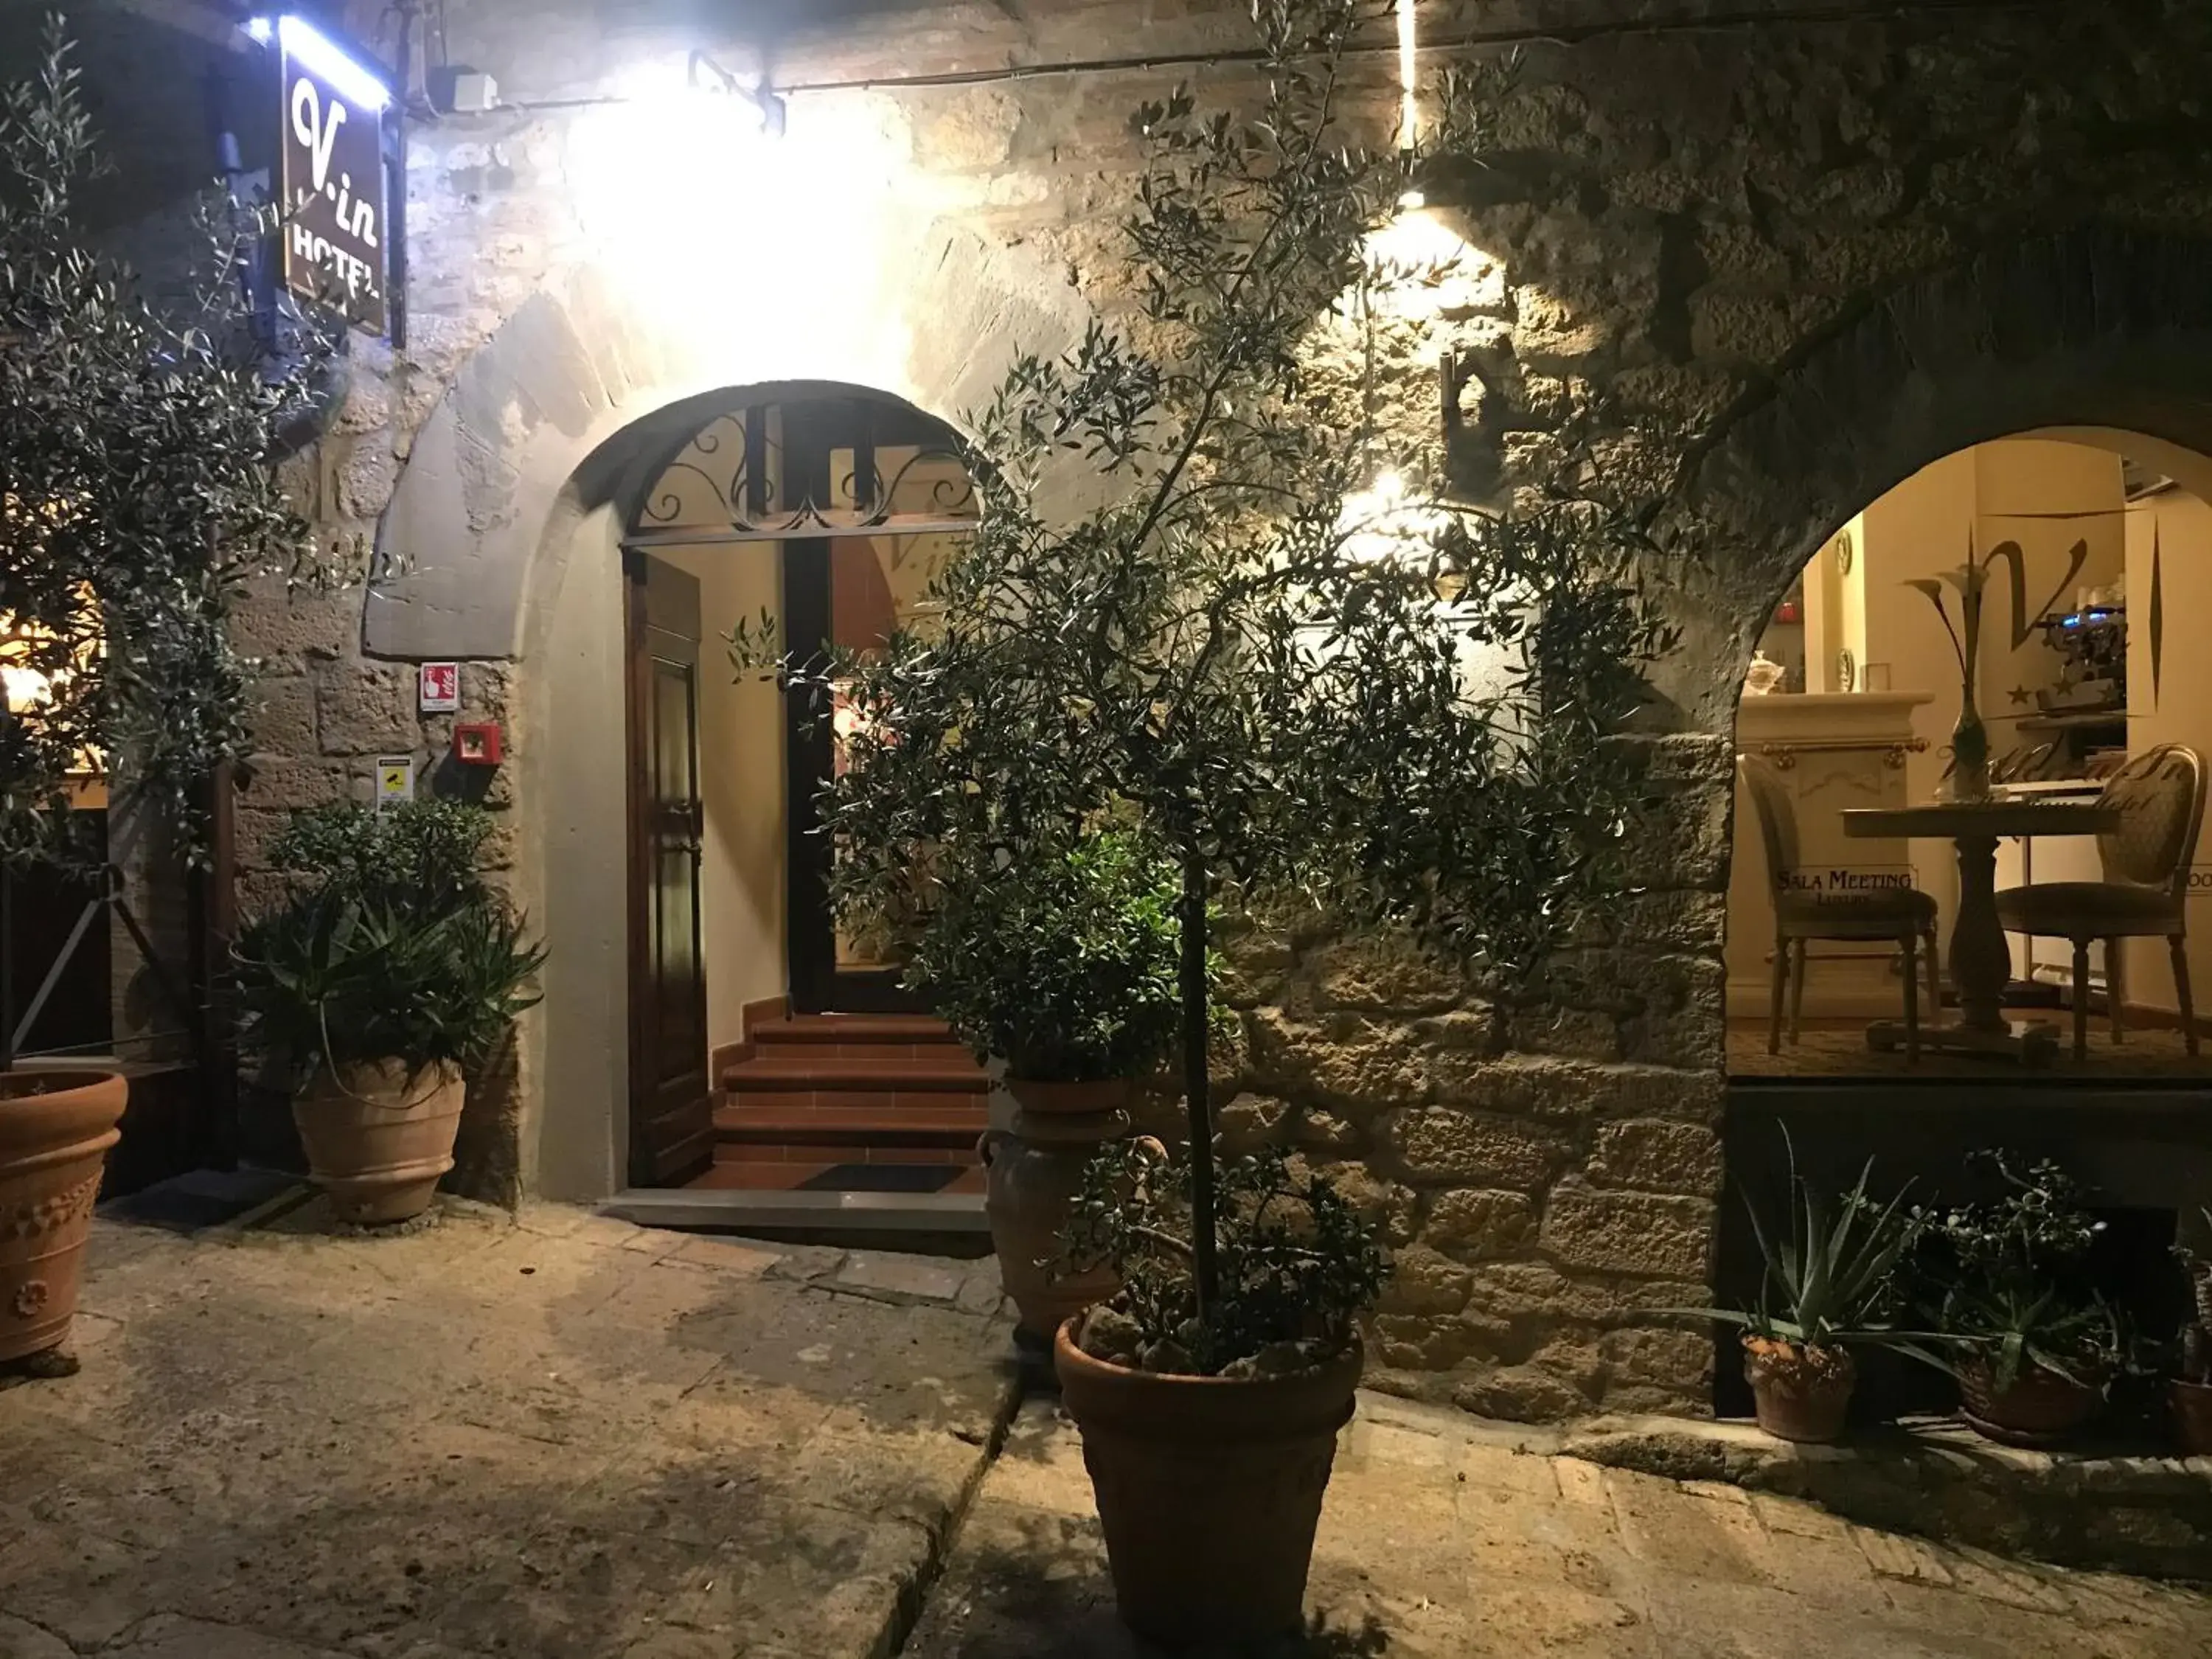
[882, 1178]
[202, 1198]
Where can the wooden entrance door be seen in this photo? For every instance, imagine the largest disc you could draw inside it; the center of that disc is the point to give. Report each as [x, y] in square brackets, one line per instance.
[671, 1098]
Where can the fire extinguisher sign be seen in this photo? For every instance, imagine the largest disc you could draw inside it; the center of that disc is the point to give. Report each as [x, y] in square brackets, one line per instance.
[440, 688]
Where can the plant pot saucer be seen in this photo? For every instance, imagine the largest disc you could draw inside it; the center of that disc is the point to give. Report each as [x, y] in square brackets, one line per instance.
[2018, 1439]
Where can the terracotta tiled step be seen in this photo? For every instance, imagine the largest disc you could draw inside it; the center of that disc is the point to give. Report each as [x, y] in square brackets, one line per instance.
[938, 1121]
[871, 1032]
[824, 1151]
[790, 1074]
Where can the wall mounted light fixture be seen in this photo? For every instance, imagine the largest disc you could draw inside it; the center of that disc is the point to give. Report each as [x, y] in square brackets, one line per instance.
[710, 79]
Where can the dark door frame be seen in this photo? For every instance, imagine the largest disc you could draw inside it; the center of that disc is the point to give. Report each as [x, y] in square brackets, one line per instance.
[668, 1142]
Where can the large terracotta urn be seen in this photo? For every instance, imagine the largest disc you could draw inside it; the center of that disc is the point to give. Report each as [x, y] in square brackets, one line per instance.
[1209, 1489]
[1033, 1172]
[55, 1126]
[379, 1139]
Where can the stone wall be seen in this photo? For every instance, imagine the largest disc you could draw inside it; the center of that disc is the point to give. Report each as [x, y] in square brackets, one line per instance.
[1784, 263]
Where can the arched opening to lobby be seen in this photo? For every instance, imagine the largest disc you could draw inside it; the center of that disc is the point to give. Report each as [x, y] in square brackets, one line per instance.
[2095, 546]
[2089, 550]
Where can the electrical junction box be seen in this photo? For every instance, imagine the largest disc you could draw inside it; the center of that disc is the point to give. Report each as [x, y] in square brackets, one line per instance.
[455, 90]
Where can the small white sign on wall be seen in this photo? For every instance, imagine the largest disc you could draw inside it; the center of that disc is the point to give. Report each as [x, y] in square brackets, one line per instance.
[441, 688]
[395, 781]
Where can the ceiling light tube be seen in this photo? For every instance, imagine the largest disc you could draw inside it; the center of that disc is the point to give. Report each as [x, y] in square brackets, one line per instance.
[347, 75]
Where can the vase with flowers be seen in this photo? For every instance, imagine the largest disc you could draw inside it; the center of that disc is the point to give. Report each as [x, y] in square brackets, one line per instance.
[1969, 738]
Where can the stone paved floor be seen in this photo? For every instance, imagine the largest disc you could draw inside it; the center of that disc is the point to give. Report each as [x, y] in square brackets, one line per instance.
[571, 1437]
[568, 1437]
[1441, 1541]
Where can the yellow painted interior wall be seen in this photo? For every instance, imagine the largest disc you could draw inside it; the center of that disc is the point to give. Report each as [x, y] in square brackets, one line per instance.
[1919, 529]
[741, 772]
[2174, 707]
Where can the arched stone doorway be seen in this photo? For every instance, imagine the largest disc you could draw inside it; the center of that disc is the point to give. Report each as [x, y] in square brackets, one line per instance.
[754, 508]
[502, 543]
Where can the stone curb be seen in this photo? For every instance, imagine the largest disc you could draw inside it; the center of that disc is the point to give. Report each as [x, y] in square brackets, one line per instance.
[2150, 1516]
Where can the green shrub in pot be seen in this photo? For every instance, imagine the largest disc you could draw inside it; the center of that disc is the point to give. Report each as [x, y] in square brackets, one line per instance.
[390, 971]
[1062, 962]
[1058, 957]
[2006, 1280]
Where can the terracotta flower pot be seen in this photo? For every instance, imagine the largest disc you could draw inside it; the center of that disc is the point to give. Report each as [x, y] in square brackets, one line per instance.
[2192, 1417]
[1800, 1392]
[1209, 1488]
[377, 1139]
[2041, 1408]
[1032, 1172]
[55, 1126]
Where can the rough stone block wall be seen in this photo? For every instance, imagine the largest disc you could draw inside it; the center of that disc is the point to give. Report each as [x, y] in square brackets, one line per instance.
[1773, 263]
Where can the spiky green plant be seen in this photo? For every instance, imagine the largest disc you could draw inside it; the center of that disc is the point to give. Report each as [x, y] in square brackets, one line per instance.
[1827, 1277]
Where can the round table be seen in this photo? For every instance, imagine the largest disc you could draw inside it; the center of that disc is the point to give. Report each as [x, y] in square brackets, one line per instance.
[1980, 961]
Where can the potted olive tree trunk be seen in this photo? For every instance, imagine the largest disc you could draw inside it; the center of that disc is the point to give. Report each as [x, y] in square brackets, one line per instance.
[1062, 966]
[389, 973]
[1275, 654]
[138, 498]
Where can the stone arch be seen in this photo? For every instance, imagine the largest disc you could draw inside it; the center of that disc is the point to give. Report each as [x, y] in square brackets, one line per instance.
[546, 416]
[2095, 326]
[503, 532]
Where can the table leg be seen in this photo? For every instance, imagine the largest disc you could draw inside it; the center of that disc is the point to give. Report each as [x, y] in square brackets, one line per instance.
[1981, 961]
[1981, 968]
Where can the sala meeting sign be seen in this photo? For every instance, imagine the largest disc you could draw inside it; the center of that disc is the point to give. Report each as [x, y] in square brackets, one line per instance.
[336, 229]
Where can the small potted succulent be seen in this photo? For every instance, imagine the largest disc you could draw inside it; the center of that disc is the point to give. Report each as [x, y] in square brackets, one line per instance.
[389, 973]
[1062, 965]
[1209, 1440]
[2192, 1390]
[1825, 1285]
[2034, 1344]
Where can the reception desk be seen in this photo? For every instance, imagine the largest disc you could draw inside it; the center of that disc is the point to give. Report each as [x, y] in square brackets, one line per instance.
[1832, 752]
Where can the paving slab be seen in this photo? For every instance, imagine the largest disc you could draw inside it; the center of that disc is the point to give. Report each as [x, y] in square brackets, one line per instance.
[545, 1435]
[1442, 1540]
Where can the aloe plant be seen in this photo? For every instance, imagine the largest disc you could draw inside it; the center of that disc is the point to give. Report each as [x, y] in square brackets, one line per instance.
[1828, 1275]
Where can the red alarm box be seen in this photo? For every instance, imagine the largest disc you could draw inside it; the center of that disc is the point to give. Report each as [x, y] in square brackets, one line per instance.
[477, 743]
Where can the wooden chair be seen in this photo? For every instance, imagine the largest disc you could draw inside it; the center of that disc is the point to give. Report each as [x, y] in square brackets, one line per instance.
[1802, 912]
[2160, 795]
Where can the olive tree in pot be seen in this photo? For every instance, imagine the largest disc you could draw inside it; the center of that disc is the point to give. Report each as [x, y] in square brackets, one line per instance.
[1295, 676]
[1062, 965]
[390, 971]
[138, 498]
[1825, 1286]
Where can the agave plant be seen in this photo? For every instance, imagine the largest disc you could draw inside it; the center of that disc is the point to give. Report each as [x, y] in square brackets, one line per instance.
[1828, 1274]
